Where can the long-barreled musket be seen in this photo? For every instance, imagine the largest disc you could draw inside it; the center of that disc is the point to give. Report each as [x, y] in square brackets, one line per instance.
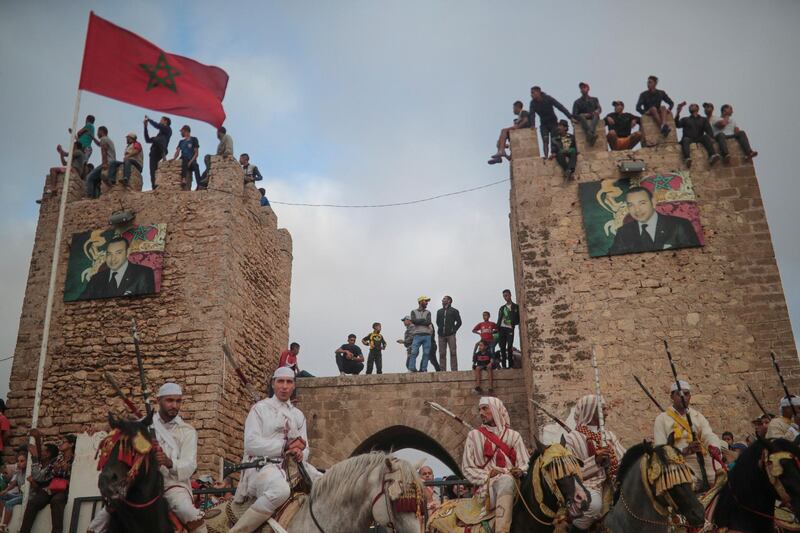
[122, 396]
[437, 407]
[237, 369]
[700, 459]
[600, 419]
[755, 399]
[783, 384]
[649, 394]
[551, 415]
[142, 378]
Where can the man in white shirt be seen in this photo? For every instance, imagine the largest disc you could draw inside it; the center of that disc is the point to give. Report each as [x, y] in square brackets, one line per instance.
[725, 128]
[785, 426]
[177, 459]
[274, 431]
[700, 438]
[600, 462]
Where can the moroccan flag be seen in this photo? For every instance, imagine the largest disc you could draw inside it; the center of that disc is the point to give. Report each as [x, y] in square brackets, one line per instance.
[123, 66]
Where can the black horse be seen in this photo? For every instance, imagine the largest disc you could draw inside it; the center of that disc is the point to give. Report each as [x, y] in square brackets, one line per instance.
[559, 492]
[130, 483]
[654, 484]
[766, 471]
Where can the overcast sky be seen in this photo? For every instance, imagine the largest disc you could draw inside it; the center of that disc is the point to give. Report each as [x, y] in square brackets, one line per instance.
[377, 102]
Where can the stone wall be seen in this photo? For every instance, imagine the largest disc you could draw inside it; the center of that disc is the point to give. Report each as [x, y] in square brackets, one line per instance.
[227, 274]
[720, 306]
[351, 414]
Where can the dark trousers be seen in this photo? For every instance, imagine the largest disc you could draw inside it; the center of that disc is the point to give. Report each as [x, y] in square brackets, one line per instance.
[506, 342]
[375, 357]
[567, 160]
[589, 125]
[157, 153]
[547, 131]
[741, 138]
[705, 140]
[187, 170]
[348, 366]
[38, 500]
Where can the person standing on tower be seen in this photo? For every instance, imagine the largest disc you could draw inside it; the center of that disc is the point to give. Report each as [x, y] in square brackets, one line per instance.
[448, 320]
[507, 320]
[158, 144]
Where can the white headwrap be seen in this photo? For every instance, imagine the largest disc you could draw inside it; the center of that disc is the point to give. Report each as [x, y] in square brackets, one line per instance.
[581, 413]
[785, 401]
[283, 372]
[169, 389]
[684, 387]
[499, 412]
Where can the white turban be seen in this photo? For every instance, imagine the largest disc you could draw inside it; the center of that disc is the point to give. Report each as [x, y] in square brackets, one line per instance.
[170, 389]
[785, 401]
[684, 387]
[499, 412]
[283, 372]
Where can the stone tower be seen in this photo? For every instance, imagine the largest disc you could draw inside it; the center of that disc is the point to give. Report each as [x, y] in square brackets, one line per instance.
[226, 274]
[721, 307]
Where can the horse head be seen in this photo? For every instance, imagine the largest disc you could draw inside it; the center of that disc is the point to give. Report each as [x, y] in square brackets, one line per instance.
[400, 504]
[555, 468]
[670, 482]
[124, 458]
[780, 460]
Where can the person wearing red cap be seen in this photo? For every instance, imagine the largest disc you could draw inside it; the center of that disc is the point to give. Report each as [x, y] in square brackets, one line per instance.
[586, 112]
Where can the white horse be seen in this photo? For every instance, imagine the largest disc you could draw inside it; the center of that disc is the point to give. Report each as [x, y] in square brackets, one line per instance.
[373, 488]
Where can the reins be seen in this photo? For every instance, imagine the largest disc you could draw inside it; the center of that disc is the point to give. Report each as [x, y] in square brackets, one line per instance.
[144, 505]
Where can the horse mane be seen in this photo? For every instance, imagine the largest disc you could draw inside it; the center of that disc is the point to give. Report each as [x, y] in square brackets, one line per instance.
[129, 427]
[343, 480]
[629, 460]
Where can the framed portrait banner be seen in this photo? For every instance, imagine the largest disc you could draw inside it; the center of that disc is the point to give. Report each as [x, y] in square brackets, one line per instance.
[107, 263]
[646, 214]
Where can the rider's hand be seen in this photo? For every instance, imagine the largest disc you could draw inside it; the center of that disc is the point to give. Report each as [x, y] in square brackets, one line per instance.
[517, 473]
[693, 447]
[162, 458]
[494, 472]
[602, 457]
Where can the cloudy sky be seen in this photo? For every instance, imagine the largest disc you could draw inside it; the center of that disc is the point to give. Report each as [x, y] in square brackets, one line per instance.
[377, 102]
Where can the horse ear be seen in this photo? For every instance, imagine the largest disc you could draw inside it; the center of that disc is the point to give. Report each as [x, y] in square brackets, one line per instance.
[563, 440]
[671, 439]
[539, 446]
[419, 465]
[389, 463]
[112, 421]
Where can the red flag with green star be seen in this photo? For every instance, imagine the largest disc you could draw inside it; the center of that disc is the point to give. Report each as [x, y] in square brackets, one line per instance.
[121, 65]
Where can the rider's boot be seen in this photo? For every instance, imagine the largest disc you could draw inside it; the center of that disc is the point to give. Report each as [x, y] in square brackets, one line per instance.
[249, 522]
[502, 512]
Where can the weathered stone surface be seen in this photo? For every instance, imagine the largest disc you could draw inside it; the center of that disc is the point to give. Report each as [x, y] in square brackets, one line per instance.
[721, 306]
[227, 274]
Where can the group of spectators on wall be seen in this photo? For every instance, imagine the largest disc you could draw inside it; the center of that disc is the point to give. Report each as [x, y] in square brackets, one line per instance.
[187, 149]
[710, 130]
[425, 336]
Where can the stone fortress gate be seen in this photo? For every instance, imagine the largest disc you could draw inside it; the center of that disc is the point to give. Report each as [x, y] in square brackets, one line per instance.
[227, 270]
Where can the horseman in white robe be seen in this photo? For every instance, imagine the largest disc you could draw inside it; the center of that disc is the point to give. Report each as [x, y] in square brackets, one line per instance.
[273, 431]
[673, 422]
[600, 463]
[177, 459]
[785, 426]
[494, 455]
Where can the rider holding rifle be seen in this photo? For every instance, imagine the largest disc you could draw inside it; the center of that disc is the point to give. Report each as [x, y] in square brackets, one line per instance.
[786, 425]
[690, 440]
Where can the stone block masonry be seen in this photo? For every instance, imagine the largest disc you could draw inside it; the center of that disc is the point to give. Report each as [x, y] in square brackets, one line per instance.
[720, 306]
[227, 274]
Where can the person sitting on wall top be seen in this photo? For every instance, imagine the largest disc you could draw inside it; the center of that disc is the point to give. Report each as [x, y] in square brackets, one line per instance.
[696, 129]
[564, 150]
[620, 124]
[349, 358]
[724, 128]
[586, 112]
[650, 103]
[522, 121]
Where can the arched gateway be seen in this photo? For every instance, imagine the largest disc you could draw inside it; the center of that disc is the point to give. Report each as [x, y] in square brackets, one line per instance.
[348, 415]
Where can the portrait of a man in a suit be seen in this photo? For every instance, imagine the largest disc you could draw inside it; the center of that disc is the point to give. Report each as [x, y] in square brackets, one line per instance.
[650, 230]
[119, 277]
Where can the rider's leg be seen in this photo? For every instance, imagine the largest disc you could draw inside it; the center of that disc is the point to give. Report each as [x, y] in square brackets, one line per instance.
[273, 492]
[180, 502]
[99, 523]
[501, 493]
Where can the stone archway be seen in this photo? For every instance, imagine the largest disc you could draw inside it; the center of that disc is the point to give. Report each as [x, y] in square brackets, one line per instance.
[398, 437]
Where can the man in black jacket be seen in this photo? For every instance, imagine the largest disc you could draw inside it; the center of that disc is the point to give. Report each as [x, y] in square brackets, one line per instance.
[448, 320]
[542, 104]
[507, 320]
[158, 144]
[696, 129]
[586, 111]
[565, 150]
[649, 230]
[650, 103]
[120, 277]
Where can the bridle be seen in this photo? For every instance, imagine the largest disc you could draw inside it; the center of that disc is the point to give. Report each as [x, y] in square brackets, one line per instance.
[132, 451]
[555, 463]
[397, 498]
[657, 480]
